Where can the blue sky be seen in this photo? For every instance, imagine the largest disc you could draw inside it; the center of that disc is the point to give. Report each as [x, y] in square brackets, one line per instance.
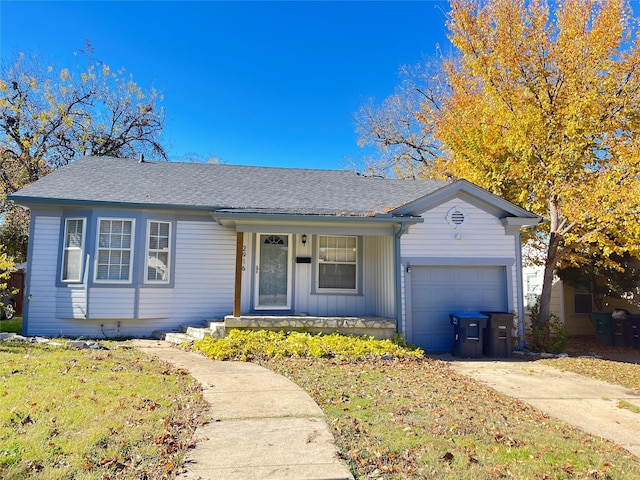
[253, 83]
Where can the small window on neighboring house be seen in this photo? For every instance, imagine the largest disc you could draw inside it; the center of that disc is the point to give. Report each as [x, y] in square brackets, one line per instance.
[73, 248]
[158, 252]
[115, 242]
[337, 263]
[532, 290]
[582, 300]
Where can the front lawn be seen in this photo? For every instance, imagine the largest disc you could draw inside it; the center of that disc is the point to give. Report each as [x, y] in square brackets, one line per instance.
[401, 417]
[92, 414]
[11, 326]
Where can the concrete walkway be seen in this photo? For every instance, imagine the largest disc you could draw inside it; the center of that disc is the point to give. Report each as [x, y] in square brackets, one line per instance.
[262, 424]
[588, 404]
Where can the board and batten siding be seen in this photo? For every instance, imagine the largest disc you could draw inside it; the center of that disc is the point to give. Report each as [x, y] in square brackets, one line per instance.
[380, 274]
[376, 284]
[376, 281]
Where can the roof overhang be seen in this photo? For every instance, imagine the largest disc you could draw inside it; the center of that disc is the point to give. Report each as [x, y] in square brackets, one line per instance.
[520, 222]
[312, 224]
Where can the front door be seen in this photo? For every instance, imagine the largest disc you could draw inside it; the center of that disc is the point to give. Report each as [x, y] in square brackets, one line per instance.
[273, 272]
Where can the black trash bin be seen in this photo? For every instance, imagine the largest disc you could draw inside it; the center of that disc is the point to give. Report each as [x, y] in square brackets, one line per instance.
[498, 334]
[634, 330]
[468, 333]
[621, 328]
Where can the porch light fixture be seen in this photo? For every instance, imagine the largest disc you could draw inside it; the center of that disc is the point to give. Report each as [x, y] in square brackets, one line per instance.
[459, 236]
[304, 239]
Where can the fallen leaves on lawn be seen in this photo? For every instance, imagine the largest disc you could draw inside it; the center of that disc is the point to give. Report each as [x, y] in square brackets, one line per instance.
[415, 419]
[594, 364]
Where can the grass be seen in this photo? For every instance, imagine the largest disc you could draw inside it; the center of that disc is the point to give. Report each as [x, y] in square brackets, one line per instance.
[629, 406]
[111, 414]
[11, 326]
[415, 418]
[87, 414]
[618, 373]
[419, 419]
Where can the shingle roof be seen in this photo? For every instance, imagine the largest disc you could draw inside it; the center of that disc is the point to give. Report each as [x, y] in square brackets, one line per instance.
[230, 188]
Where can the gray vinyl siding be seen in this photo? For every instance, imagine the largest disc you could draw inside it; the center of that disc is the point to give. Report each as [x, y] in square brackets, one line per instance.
[42, 275]
[71, 301]
[484, 242]
[112, 303]
[483, 235]
[202, 285]
[204, 272]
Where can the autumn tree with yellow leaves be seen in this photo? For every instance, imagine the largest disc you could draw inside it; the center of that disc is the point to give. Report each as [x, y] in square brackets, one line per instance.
[541, 105]
[544, 110]
[50, 116]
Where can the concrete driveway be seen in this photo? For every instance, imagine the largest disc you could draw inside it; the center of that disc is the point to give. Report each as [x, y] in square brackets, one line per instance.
[588, 404]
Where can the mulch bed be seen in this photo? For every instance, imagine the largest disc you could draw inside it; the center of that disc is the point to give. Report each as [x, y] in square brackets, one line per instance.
[587, 345]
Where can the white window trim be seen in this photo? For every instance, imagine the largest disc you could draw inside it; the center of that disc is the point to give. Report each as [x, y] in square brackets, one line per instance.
[65, 249]
[148, 249]
[319, 262]
[131, 250]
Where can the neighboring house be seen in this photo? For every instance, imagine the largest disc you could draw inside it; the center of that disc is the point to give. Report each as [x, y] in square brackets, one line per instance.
[122, 248]
[571, 304]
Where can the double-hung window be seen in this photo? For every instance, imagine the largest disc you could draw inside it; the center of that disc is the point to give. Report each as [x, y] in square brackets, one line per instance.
[337, 263]
[158, 252]
[73, 248]
[115, 243]
[582, 300]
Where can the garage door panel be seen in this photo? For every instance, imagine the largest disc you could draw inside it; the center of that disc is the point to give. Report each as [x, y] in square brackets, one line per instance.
[438, 291]
[465, 275]
[467, 296]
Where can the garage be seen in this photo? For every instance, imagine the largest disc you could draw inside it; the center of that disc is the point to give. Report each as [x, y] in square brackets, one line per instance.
[437, 291]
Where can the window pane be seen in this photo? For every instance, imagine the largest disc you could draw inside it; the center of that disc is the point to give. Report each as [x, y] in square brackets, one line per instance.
[71, 265]
[114, 254]
[72, 250]
[340, 276]
[582, 303]
[157, 266]
[163, 243]
[337, 257]
[103, 271]
[158, 252]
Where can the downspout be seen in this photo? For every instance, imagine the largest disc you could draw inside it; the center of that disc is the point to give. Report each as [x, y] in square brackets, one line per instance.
[519, 283]
[398, 278]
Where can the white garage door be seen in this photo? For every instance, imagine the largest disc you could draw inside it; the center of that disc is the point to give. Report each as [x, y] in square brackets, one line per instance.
[438, 291]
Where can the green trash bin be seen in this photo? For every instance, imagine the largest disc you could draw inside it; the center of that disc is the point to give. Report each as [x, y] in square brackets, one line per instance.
[604, 327]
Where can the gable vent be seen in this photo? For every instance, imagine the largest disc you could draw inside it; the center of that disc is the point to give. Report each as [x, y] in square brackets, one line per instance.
[456, 216]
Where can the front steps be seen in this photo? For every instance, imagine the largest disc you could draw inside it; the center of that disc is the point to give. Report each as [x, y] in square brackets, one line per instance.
[380, 328]
[191, 333]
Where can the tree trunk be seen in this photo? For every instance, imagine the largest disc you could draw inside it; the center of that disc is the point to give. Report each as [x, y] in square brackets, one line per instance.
[547, 281]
